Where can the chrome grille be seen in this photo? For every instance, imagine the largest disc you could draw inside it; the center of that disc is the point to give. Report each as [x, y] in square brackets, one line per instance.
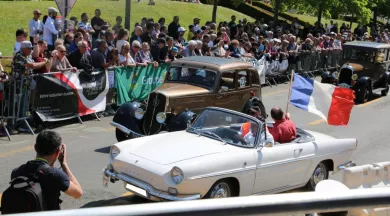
[156, 104]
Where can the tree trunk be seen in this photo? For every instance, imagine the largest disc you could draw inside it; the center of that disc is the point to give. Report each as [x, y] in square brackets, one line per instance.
[321, 5]
[375, 16]
[276, 12]
[215, 11]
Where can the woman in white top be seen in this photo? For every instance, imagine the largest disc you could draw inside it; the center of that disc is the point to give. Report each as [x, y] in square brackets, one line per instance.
[125, 58]
[123, 36]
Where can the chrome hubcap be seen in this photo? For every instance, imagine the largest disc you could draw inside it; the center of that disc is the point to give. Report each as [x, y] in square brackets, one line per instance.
[318, 175]
[221, 190]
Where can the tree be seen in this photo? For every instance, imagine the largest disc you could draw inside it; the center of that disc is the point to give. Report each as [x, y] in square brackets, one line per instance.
[234, 3]
[215, 6]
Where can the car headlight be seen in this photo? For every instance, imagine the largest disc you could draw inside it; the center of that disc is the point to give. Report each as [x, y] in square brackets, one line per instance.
[139, 113]
[161, 117]
[354, 77]
[177, 175]
[114, 151]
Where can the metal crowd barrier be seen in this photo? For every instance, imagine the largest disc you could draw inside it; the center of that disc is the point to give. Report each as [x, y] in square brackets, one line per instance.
[280, 204]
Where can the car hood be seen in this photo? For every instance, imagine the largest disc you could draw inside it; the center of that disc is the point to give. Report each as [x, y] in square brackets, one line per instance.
[172, 147]
[180, 89]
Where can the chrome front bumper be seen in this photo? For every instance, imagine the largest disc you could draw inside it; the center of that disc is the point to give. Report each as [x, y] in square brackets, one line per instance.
[152, 193]
[126, 130]
[346, 165]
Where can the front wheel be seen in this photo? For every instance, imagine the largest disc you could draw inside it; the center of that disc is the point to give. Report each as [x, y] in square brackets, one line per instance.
[221, 189]
[385, 91]
[362, 94]
[120, 136]
[320, 173]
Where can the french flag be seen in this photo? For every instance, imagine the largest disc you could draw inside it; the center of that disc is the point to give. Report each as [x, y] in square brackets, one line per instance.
[332, 103]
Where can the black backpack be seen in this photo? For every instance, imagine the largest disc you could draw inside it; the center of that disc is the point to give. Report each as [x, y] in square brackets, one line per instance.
[25, 193]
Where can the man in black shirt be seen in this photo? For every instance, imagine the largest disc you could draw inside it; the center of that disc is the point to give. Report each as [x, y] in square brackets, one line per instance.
[49, 148]
[160, 51]
[147, 35]
[233, 27]
[80, 58]
[97, 24]
[173, 27]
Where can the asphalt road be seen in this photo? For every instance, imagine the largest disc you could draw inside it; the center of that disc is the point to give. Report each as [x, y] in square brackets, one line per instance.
[89, 143]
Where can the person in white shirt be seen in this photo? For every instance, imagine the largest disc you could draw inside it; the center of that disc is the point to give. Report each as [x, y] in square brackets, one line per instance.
[49, 28]
[21, 35]
[196, 24]
[84, 24]
[35, 25]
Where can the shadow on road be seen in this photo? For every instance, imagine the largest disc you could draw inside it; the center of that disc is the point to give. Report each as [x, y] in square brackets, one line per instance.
[104, 150]
[126, 200]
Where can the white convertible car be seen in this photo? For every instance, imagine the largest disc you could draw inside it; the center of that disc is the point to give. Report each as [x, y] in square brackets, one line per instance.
[212, 159]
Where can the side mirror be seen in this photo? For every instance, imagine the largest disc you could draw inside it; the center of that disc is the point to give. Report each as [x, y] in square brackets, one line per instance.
[223, 89]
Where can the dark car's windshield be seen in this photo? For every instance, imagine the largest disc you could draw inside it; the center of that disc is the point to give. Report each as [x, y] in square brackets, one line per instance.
[192, 75]
[226, 127]
[359, 55]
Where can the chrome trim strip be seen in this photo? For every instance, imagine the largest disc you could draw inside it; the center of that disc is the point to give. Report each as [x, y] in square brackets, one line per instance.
[125, 129]
[346, 165]
[151, 191]
[224, 172]
[285, 188]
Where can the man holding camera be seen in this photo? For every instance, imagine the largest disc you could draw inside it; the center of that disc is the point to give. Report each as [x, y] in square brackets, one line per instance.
[35, 26]
[49, 149]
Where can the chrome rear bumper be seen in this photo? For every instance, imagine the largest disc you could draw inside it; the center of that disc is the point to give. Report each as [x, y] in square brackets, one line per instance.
[152, 193]
[346, 165]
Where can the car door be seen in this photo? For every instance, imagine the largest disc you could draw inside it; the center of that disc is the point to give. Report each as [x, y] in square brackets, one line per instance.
[226, 95]
[281, 167]
[243, 89]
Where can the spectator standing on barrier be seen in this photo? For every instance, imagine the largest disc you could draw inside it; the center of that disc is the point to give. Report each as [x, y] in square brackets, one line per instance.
[136, 36]
[49, 148]
[125, 59]
[21, 35]
[123, 36]
[35, 25]
[49, 28]
[59, 62]
[80, 58]
[173, 27]
[99, 57]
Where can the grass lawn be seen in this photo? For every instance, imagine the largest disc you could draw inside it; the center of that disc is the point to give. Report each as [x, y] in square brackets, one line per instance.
[13, 17]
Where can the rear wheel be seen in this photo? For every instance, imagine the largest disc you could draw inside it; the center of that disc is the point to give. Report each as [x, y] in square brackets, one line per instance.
[321, 172]
[120, 136]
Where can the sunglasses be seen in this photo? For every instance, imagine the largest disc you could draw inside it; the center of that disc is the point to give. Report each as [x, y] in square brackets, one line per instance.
[62, 51]
[136, 47]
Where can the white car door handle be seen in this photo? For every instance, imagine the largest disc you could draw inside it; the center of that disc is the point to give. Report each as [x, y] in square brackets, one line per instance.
[298, 150]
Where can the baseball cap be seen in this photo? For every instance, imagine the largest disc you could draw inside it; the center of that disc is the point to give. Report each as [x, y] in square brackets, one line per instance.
[175, 49]
[52, 9]
[26, 44]
[181, 29]
[36, 11]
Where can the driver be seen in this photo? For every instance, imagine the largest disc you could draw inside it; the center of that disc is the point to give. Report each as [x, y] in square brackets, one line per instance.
[248, 137]
[192, 75]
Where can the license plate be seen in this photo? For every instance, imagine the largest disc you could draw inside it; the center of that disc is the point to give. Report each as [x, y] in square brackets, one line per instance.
[137, 190]
[106, 179]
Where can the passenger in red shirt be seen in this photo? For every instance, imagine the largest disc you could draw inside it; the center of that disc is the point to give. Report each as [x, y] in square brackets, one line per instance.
[284, 129]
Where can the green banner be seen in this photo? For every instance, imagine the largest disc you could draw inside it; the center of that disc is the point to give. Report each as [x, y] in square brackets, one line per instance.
[135, 83]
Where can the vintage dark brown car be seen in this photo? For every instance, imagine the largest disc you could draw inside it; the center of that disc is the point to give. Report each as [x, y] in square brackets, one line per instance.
[191, 84]
[365, 69]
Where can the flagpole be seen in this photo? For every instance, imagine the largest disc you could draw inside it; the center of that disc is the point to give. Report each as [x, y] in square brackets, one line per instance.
[289, 93]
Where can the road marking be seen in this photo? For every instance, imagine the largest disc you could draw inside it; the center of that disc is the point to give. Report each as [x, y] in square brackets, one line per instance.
[274, 93]
[317, 122]
[111, 129]
[15, 151]
[128, 193]
[368, 103]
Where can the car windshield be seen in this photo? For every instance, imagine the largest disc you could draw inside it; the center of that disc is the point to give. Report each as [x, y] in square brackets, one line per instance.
[191, 75]
[359, 55]
[227, 127]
